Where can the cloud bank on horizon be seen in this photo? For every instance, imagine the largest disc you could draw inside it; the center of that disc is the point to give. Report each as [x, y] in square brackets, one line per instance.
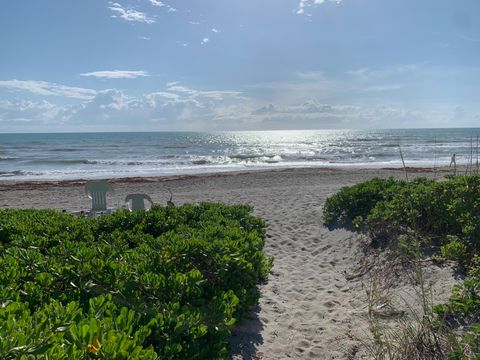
[145, 65]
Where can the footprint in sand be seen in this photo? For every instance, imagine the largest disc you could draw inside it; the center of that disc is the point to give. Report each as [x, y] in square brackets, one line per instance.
[331, 304]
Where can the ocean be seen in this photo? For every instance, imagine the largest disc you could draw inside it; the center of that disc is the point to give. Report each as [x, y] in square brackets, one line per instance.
[114, 155]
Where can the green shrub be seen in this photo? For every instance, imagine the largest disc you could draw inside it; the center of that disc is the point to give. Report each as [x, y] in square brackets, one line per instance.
[441, 213]
[464, 304]
[454, 249]
[357, 201]
[167, 283]
[432, 209]
[435, 210]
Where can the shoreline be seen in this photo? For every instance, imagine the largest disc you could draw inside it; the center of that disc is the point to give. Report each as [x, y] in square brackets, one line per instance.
[6, 185]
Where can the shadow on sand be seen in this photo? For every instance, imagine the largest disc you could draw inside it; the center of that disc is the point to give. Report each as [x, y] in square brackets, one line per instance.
[342, 225]
[246, 337]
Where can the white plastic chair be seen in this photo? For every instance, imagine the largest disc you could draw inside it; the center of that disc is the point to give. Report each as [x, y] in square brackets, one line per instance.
[97, 191]
[138, 201]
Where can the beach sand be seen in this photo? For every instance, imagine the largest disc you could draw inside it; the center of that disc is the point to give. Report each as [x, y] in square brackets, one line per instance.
[311, 307]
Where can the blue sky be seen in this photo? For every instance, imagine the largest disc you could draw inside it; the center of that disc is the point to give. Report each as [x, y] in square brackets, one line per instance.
[142, 65]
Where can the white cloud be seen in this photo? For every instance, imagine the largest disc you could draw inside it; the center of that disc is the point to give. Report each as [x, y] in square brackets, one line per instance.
[175, 87]
[157, 3]
[144, 38]
[313, 114]
[48, 89]
[182, 107]
[152, 97]
[168, 110]
[380, 88]
[311, 75]
[27, 111]
[194, 22]
[192, 109]
[129, 14]
[370, 74]
[116, 74]
[304, 5]
[205, 40]
[308, 99]
[215, 30]
[178, 108]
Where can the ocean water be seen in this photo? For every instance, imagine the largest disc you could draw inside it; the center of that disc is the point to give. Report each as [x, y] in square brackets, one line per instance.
[110, 155]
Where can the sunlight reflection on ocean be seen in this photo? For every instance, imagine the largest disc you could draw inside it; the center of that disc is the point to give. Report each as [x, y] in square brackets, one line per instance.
[102, 155]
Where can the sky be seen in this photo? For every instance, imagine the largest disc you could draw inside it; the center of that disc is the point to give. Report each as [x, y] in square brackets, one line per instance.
[203, 65]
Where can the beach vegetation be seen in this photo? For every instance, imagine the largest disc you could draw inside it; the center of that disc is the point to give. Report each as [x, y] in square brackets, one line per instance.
[423, 218]
[164, 284]
[356, 202]
[440, 213]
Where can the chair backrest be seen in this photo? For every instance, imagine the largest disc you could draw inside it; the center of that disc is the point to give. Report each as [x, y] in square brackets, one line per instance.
[97, 191]
[138, 201]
